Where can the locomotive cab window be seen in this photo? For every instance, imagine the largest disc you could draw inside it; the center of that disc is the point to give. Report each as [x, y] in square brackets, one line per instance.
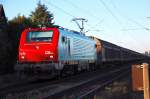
[64, 39]
[39, 36]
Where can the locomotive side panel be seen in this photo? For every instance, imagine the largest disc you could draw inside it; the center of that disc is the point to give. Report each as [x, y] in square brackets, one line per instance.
[80, 48]
[64, 47]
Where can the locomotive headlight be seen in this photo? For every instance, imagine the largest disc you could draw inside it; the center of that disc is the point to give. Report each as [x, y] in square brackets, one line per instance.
[50, 56]
[22, 57]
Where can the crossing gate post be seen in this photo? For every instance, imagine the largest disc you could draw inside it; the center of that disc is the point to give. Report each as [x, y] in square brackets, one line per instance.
[146, 80]
[140, 79]
[137, 78]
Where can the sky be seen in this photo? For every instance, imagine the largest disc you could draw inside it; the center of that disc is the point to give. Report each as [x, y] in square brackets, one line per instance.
[122, 22]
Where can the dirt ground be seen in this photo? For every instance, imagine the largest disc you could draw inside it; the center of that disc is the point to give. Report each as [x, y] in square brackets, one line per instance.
[121, 89]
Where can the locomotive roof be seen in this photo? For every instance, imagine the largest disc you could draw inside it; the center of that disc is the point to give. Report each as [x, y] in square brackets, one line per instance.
[68, 32]
[76, 32]
[72, 32]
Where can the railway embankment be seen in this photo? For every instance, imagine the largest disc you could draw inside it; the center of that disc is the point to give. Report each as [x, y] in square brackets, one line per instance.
[119, 89]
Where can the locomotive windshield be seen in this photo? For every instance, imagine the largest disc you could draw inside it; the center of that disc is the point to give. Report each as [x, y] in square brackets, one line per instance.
[38, 36]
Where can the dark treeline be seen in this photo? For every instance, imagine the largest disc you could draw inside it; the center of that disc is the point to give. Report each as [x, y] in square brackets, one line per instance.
[10, 32]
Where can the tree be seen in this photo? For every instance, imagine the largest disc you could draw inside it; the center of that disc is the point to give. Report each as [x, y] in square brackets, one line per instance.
[14, 30]
[3, 19]
[5, 44]
[41, 16]
[17, 25]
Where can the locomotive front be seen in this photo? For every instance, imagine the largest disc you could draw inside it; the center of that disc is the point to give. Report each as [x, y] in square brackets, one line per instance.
[38, 49]
[38, 45]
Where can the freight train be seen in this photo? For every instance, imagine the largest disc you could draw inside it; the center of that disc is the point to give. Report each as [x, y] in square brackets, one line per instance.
[53, 49]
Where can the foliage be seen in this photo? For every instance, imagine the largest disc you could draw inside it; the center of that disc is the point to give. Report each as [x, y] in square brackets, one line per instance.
[20, 19]
[41, 16]
[16, 26]
[14, 29]
[5, 47]
[10, 32]
[3, 21]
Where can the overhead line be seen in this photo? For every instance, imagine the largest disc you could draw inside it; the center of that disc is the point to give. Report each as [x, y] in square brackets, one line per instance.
[83, 10]
[128, 29]
[129, 19]
[65, 12]
[115, 17]
[132, 37]
[107, 8]
[86, 12]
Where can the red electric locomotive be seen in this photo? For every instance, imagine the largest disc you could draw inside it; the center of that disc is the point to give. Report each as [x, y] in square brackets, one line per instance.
[51, 49]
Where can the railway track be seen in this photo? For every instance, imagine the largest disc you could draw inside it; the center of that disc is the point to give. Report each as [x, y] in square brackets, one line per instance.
[85, 89]
[88, 82]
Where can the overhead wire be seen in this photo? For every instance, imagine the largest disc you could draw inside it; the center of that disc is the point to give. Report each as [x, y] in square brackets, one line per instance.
[128, 29]
[86, 12]
[69, 14]
[60, 9]
[131, 37]
[81, 9]
[112, 14]
[132, 29]
[129, 19]
[89, 13]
